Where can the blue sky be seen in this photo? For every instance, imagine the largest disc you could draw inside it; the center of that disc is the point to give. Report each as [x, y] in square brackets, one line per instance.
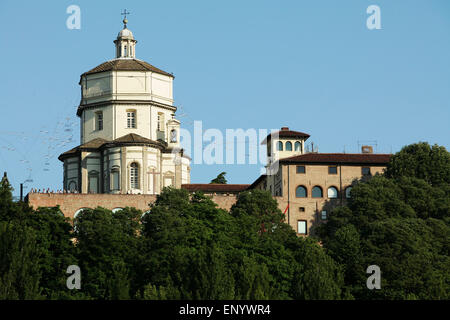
[311, 65]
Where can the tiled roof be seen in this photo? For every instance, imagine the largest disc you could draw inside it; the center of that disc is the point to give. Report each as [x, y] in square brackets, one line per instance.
[126, 65]
[257, 181]
[93, 144]
[215, 187]
[286, 133]
[133, 138]
[369, 158]
[97, 143]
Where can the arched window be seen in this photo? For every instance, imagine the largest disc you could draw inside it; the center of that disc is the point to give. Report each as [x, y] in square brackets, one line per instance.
[298, 146]
[116, 210]
[280, 146]
[300, 192]
[93, 182]
[115, 179]
[347, 192]
[72, 186]
[134, 176]
[173, 135]
[332, 192]
[288, 146]
[317, 192]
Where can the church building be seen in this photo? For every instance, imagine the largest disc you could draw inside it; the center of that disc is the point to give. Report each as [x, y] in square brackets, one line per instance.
[129, 136]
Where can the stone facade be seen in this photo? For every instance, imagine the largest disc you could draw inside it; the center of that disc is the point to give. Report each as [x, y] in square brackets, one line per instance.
[309, 186]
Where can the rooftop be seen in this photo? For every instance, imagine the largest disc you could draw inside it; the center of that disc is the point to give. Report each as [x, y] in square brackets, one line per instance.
[126, 64]
[360, 158]
[286, 133]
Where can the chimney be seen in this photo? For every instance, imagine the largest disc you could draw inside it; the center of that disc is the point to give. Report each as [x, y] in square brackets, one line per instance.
[366, 149]
[284, 128]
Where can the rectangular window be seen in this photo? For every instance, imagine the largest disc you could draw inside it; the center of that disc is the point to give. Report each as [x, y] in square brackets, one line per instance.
[301, 226]
[131, 119]
[99, 116]
[302, 209]
[332, 170]
[301, 169]
[365, 171]
[324, 215]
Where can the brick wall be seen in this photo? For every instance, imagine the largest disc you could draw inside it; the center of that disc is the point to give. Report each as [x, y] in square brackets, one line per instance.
[71, 202]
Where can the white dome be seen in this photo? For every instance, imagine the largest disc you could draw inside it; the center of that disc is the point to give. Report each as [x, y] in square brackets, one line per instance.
[125, 33]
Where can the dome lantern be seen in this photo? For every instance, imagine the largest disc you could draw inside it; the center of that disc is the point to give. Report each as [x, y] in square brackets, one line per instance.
[125, 42]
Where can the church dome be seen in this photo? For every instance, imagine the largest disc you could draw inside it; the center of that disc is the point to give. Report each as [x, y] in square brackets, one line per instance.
[125, 33]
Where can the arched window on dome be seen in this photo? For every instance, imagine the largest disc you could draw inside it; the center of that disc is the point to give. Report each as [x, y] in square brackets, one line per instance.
[115, 178]
[72, 186]
[298, 146]
[288, 146]
[93, 181]
[173, 136]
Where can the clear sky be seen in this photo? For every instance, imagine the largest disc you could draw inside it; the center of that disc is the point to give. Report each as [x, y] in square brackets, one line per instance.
[313, 66]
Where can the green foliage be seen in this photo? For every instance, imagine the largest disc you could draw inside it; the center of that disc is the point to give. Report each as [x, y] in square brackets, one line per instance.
[220, 179]
[38, 252]
[422, 161]
[19, 262]
[108, 251]
[317, 275]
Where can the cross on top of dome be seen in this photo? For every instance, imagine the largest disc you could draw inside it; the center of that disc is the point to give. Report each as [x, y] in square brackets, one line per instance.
[125, 21]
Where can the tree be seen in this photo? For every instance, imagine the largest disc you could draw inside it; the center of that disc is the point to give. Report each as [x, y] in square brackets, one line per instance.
[19, 262]
[220, 179]
[45, 235]
[108, 252]
[184, 248]
[422, 161]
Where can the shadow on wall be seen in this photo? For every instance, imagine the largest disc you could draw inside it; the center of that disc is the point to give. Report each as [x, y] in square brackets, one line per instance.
[321, 215]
